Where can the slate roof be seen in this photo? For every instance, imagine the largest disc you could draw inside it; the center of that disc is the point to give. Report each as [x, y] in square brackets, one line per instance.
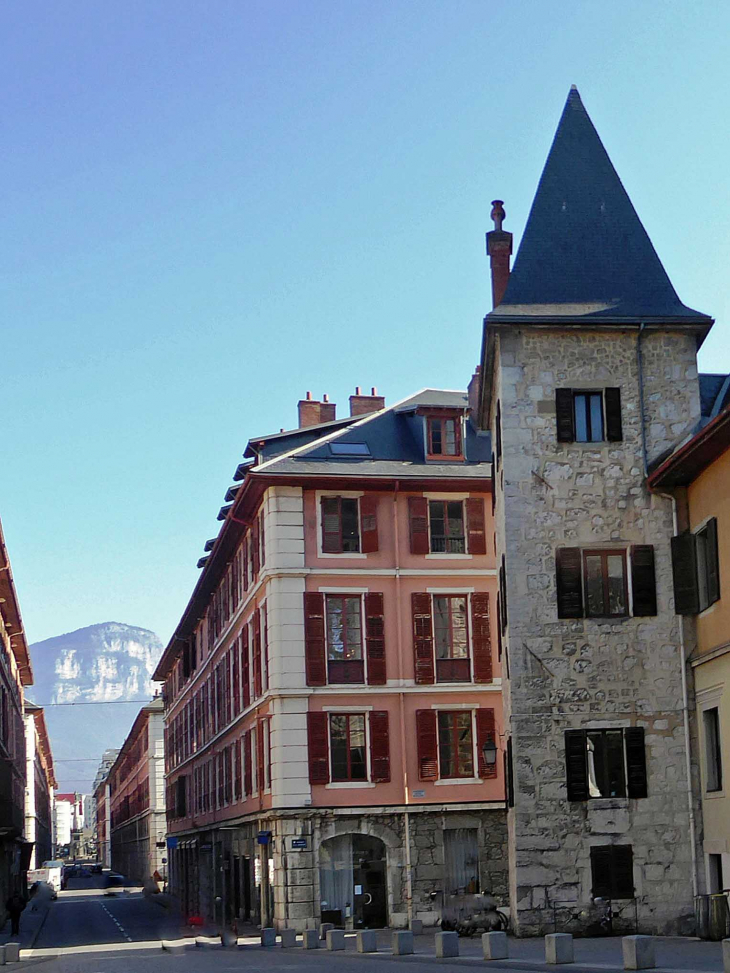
[714, 394]
[584, 254]
[395, 441]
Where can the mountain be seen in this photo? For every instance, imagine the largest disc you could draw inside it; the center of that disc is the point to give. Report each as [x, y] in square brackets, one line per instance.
[91, 668]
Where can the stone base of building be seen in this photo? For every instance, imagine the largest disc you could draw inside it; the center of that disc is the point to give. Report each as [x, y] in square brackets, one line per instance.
[358, 868]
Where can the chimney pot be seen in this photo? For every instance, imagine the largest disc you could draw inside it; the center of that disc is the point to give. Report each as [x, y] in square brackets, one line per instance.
[357, 390]
[373, 391]
[473, 391]
[325, 397]
[309, 396]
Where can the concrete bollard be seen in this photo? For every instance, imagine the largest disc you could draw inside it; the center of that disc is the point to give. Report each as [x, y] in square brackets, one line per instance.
[447, 944]
[268, 936]
[12, 952]
[494, 945]
[726, 955]
[367, 941]
[402, 942]
[335, 939]
[417, 927]
[2, 956]
[325, 928]
[288, 938]
[558, 948]
[638, 952]
[229, 938]
[310, 939]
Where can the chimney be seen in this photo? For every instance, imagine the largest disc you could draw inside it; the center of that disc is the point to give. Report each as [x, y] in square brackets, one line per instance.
[473, 391]
[361, 405]
[327, 410]
[312, 411]
[499, 248]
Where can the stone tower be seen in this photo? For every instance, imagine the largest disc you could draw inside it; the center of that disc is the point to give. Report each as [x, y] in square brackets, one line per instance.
[589, 373]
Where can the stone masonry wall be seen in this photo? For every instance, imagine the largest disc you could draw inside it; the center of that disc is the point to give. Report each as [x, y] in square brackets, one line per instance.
[590, 672]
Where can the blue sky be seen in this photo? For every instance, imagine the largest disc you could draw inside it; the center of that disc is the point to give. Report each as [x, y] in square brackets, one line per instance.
[210, 208]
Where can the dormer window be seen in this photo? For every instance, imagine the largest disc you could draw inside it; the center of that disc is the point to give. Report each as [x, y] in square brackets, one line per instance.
[444, 436]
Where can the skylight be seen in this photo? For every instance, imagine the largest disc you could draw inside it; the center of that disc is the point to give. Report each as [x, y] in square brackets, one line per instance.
[349, 449]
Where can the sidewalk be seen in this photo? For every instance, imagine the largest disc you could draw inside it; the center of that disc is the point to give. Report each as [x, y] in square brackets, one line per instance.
[31, 921]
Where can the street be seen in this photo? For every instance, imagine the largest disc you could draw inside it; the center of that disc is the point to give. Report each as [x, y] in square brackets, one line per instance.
[88, 931]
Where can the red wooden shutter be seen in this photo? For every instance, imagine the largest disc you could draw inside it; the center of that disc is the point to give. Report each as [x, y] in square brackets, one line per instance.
[248, 768]
[375, 638]
[418, 522]
[314, 640]
[245, 667]
[236, 771]
[379, 747]
[485, 733]
[318, 743]
[427, 743]
[265, 646]
[481, 636]
[244, 554]
[368, 524]
[254, 549]
[569, 582]
[236, 679]
[423, 638]
[475, 525]
[260, 756]
[257, 653]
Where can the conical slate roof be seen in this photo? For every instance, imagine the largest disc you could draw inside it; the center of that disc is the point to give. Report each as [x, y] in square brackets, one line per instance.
[584, 253]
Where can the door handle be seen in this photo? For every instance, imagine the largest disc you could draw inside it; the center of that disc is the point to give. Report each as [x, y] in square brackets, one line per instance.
[370, 899]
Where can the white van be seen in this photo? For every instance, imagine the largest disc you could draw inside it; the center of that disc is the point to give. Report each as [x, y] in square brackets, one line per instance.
[55, 874]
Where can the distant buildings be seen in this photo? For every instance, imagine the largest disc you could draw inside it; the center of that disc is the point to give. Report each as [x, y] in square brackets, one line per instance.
[131, 803]
[64, 817]
[39, 787]
[102, 809]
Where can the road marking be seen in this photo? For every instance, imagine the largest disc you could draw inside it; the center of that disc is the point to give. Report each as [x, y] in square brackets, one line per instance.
[119, 925]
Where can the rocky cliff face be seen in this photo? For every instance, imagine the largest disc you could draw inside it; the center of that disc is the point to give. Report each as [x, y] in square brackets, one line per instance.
[90, 671]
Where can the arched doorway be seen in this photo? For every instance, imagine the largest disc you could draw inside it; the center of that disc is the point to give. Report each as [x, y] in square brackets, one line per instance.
[352, 881]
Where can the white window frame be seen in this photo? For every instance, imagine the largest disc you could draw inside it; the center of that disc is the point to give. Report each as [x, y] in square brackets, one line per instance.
[455, 707]
[340, 592]
[349, 711]
[347, 495]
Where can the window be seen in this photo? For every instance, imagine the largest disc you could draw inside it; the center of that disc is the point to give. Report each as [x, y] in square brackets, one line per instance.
[347, 746]
[461, 861]
[612, 871]
[451, 638]
[696, 569]
[340, 525]
[456, 748]
[605, 583]
[345, 662]
[588, 415]
[713, 754]
[595, 583]
[604, 763]
[349, 449]
[446, 525]
[444, 436]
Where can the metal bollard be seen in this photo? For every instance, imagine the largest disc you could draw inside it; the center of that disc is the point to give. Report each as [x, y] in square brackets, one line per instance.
[494, 945]
[558, 948]
[638, 952]
[447, 944]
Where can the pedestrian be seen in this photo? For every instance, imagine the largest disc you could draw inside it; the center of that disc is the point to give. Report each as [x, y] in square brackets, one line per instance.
[15, 905]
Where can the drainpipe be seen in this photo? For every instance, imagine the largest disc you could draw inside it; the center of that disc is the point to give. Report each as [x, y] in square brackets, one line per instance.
[640, 366]
[401, 704]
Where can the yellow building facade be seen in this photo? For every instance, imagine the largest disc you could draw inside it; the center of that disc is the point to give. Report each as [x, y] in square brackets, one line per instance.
[698, 476]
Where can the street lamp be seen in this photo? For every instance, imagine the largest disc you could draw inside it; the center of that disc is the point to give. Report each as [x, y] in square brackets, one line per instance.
[489, 753]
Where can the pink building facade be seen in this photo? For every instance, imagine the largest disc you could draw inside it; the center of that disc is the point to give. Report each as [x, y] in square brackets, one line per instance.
[333, 690]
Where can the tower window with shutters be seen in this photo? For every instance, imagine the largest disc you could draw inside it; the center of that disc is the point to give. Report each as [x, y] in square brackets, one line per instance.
[605, 763]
